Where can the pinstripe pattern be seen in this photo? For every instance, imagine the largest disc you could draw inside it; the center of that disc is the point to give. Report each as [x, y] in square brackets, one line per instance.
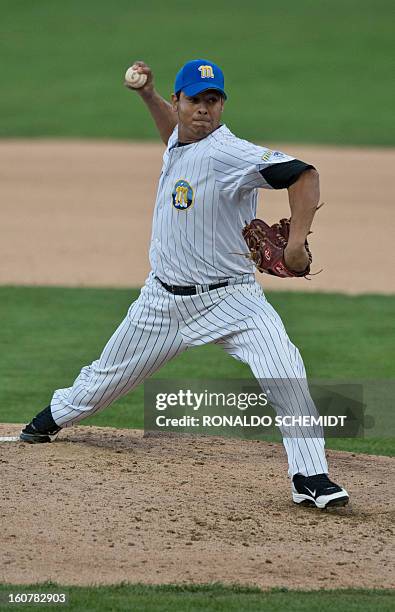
[159, 326]
[193, 242]
[147, 338]
[197, 245]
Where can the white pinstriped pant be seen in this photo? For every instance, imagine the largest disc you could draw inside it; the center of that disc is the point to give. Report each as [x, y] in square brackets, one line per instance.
[160, 325]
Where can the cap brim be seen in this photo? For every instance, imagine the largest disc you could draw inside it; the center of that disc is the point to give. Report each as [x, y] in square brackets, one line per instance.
[196, 88]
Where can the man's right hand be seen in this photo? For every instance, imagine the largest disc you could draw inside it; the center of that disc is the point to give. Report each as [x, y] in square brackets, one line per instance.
[148, 88]
[162, 111]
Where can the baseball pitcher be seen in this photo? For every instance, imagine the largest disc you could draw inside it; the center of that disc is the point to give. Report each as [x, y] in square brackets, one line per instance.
[201, 288]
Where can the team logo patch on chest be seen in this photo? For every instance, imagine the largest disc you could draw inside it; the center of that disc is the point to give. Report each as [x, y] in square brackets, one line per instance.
[182, 195]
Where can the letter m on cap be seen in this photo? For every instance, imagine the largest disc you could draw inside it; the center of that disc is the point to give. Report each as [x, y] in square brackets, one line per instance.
[206, 72]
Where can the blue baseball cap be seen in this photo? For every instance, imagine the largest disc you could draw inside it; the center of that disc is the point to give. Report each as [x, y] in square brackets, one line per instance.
[197, 76]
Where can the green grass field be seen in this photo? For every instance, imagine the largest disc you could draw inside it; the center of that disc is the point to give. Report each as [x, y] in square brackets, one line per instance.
[48, 334]
[213, 598]
[296, 71]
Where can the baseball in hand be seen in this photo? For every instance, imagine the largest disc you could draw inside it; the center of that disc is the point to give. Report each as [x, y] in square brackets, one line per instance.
[135, 79]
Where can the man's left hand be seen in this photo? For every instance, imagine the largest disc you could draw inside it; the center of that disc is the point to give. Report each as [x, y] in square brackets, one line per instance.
[296, 257]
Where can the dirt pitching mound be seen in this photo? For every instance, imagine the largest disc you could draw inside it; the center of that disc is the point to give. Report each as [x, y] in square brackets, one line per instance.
[107, 505]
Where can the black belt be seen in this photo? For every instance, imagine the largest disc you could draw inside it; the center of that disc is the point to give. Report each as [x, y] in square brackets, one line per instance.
[190, 289]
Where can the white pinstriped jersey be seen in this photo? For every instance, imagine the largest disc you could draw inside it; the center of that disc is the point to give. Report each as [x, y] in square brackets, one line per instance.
[207, 190]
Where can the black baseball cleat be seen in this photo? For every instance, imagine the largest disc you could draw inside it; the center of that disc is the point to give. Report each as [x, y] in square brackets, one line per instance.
[41, 429]
[318, 491]
[33, 436]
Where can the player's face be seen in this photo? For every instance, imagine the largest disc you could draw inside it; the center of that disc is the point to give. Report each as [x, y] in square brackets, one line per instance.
[198, 115]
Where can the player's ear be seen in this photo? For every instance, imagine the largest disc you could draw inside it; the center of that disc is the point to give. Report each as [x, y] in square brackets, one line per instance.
[174, 102]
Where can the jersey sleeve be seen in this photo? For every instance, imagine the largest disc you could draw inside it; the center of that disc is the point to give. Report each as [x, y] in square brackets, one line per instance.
[249, 166]
[282, 176]
[173, 139]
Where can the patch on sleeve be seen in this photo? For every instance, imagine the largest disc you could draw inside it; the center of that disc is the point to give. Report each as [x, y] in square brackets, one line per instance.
[275, 156]
[267, 155]
[278, 155]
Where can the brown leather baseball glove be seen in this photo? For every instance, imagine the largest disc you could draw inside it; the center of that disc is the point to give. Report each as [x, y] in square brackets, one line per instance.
[266, 244]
